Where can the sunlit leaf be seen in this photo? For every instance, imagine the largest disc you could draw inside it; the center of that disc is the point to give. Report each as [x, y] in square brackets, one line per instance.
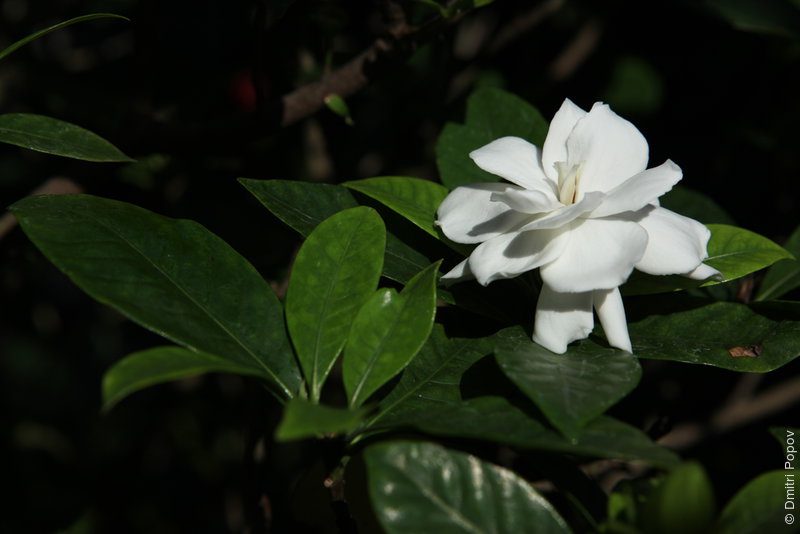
[422, 487]
[416, 200]
[162, 364]
[733, 251]
[52, 136]
[171, 276]
[736, 252]
[571, 389]
[302, 419]
[320, 201]
[335, 272]
[387, 333]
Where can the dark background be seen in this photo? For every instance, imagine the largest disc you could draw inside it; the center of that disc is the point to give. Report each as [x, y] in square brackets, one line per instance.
[712, 89]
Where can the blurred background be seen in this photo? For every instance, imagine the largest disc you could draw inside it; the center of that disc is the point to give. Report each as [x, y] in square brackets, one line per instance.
[713, 85]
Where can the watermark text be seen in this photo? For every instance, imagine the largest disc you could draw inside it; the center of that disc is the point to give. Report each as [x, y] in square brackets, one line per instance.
[788, 467]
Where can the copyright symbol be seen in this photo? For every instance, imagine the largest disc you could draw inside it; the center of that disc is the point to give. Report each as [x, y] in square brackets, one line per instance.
[789, 518]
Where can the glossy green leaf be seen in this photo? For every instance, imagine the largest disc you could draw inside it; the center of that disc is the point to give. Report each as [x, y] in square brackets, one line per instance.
[759, 507]
[302, 419]
[52, 136]
[496, 420]
[683, 503]
[303, 205]
[422, 487]
[22, 42]
[695, 205]
[737, 252]
[171, 276]
[571, 389]
[434, 375]
[162, 364]
[710, 334]
[387, 333]
[733, 251]
[491, 114]
[416, 200]
[335, 272]
[784, 276]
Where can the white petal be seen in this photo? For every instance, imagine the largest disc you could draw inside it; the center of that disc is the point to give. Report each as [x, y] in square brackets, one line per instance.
[677, 244]
[610, 148]
[555, 146]
[703, 272]
[458, 273]
[527, 201]
[512, 254]
[468, 215]
[565, 215]
[600, 254]
[640, 190]
[561, 318]
[516, 160]
[611, 312]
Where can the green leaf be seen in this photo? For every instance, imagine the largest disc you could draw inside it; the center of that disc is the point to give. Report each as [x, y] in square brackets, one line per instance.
[162, 364]
[171, 276]
[635, 87]
[775, 17]
[422, 487]
[683, 503]
[491, 113]
[302, 419]
[758, 507]
[787, 436]
[303, 205]
[336, 271]
[737, 252]
[52, 136]
[784, 276]
[571, 389]
[496, 420]
[709, 335]
[336, 104]
[434, 375]
[416, 200]
[22, 42]
[387, 333]
[733, 251]
[695, 205]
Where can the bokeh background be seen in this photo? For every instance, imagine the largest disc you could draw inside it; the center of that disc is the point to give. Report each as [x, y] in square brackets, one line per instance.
[713, 85]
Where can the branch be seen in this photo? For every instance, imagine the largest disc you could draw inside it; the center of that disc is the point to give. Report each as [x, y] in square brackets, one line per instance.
[371, 64]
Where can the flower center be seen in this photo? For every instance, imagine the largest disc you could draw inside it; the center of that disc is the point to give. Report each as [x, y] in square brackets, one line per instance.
[569, 178]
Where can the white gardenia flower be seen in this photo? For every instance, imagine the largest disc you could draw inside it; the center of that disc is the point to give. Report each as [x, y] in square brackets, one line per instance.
[584, 210]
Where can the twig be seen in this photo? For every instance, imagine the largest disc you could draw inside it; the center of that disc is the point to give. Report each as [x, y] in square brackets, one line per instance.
[303, 102]
[577, 51]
